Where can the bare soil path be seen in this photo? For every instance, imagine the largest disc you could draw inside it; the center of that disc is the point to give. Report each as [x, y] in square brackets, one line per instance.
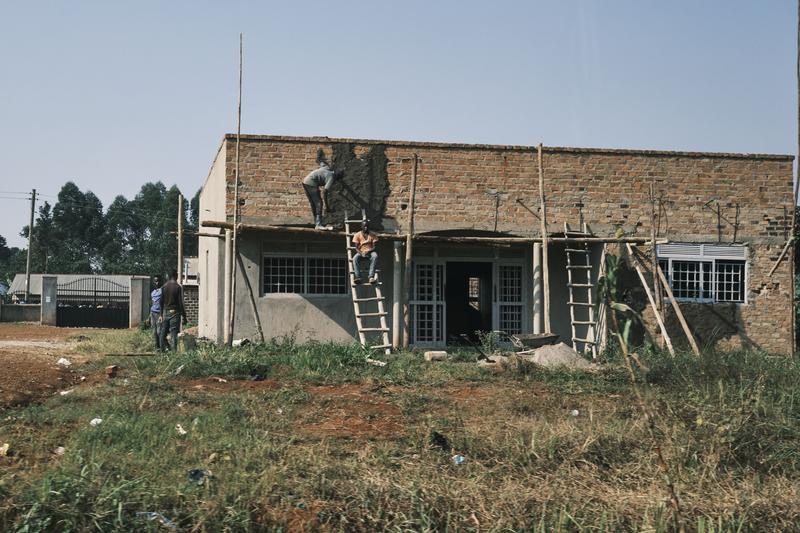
[28, 355]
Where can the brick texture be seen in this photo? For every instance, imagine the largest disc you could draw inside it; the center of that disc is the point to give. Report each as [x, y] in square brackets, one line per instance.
[608, 188]
[191, 300]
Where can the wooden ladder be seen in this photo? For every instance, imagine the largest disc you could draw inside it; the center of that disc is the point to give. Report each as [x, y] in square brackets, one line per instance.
[370, 292]
[580, 286]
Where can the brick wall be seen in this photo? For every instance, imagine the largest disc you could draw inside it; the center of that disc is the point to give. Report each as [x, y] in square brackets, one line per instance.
[610, 188]
[191, 299]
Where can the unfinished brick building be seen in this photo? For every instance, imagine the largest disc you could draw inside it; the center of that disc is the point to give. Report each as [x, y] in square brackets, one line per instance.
[722, 220]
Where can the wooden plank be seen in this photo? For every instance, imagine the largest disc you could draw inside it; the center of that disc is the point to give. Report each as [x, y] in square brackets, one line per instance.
[652, 301]
[780, 257]
[499, 240]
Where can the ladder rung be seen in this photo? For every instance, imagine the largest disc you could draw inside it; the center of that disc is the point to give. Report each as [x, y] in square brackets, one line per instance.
[580, 285]
[380, 346]
[584, 341]
[584, 304]
[376, 271]
[584, 322]
[367, 284]
[374, 329]
[384, 313]
[353, 221]
[577, 250]
[579, 267]
[370, 299]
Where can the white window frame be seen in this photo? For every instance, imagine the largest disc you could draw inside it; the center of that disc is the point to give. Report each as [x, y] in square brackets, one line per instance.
[439, 305]
[305, 256]
[705, 253]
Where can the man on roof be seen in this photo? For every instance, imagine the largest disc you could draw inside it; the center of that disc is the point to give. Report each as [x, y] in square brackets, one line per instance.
[317, 185]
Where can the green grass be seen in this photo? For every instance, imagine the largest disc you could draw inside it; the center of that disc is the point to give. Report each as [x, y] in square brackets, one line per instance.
[729, 425]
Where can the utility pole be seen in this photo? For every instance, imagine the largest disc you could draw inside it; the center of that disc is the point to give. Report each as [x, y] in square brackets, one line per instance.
[180, 238]
[30, 245]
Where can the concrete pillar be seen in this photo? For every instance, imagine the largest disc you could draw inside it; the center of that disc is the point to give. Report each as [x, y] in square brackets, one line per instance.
[537, 288]
[226, 297]
[139, 305]
[49, 305]
[397, 295]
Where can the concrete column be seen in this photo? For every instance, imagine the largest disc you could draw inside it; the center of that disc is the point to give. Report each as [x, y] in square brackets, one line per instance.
[537, 288]
[138, 305]
[226, 296]
[397, 295]
[49, 305]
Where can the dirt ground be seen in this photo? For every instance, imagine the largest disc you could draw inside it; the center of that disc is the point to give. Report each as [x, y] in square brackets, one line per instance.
[28, 368]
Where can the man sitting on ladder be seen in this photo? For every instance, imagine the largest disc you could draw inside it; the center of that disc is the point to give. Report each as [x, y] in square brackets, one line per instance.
[365, 242]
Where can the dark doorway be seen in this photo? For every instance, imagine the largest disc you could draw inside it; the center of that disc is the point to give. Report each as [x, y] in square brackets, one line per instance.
[468, 295]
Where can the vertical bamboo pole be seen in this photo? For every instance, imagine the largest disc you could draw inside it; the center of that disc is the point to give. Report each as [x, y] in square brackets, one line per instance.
[408, 289]
[397, 296]
[545, 266]
[234, 250]
[180, 238]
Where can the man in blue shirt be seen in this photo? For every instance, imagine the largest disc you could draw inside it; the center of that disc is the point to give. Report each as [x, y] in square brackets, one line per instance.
[155, 312]
[317, 184]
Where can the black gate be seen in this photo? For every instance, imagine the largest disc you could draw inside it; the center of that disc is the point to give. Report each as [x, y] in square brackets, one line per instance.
[93, 302]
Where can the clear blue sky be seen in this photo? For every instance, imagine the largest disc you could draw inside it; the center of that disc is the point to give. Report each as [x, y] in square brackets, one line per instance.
[114, 94]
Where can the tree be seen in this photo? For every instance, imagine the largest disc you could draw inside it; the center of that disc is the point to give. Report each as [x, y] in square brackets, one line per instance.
[79, 225]
[12, 261]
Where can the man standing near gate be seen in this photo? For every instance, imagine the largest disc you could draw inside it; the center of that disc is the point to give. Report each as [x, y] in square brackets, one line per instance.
[172, 312]
[155, 312]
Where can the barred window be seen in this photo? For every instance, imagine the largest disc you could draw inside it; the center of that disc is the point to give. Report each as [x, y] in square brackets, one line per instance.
[305, 275]
[705, 273]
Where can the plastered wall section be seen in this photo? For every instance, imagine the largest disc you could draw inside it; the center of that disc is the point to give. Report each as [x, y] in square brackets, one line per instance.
[301, 317]
[211, 252]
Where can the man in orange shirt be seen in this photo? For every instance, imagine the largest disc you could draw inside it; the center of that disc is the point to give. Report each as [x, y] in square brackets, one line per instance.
[365, 242]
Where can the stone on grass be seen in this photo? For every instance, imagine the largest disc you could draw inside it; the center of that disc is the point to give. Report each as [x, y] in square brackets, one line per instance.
[436, 356]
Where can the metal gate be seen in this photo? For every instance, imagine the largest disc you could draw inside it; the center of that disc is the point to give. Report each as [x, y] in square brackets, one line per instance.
[93, 302]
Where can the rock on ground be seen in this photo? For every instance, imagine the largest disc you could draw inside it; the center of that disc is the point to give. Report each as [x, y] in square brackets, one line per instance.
[557, 355]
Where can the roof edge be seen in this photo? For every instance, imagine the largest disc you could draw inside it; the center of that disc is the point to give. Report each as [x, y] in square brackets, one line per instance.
[514, 148]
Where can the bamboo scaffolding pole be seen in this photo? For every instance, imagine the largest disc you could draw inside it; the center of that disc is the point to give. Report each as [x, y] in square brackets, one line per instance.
[650, 298]
[545, 266]
[678, 311]
[432, 238]
[180, 238]
[234, 246]
[407, 289]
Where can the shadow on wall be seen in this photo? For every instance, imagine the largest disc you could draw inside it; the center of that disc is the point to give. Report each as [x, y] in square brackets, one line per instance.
[365, 184]
[713, 326]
